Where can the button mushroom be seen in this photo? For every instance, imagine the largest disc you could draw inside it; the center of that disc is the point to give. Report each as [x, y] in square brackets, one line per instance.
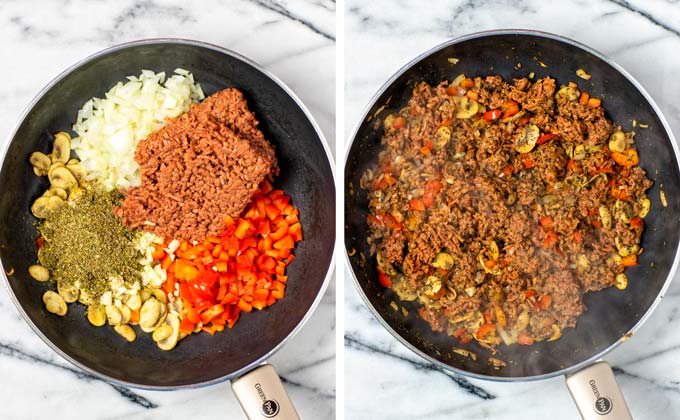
[645, 206]
[54, 303]
[113, 315]
[152, 315]
[96, 314]
[68, 292]
[465, 108]
[162, 332]
[568, 92]
[443, 261]
[617, 141]
[126, 332]
[62, 147]
[41, 162]
[621, 281]
[170, 342]
[39, 273]
[526, 138]
[442, 136]
[63, 178]
[605, 217]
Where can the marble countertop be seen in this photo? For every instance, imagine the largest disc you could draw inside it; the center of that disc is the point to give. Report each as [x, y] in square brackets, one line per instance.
[39, 39]
[384, 380]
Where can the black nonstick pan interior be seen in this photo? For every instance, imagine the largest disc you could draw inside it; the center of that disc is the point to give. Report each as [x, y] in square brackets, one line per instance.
[306, 176]
[611, 313]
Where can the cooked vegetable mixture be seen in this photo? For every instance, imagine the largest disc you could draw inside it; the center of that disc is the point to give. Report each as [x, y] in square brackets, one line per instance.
[498, 205]
[193, 259]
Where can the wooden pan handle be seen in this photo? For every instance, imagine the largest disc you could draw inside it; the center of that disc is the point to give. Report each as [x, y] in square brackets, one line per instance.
[262, 396]
[596, 393]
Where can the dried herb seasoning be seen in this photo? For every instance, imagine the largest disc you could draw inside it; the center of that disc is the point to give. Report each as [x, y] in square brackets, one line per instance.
[85, 244]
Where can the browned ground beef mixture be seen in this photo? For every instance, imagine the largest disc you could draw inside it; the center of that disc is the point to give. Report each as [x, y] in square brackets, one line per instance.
[198, 168]
[499, 205]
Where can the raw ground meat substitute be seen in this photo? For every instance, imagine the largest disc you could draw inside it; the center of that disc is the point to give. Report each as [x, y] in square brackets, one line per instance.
[498, 205]
[198, 168]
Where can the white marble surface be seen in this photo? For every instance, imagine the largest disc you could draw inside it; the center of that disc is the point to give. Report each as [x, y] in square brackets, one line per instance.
[383, 380]
[38, 39]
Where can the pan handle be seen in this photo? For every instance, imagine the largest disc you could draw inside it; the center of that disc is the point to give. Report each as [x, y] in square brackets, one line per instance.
[596, 393]
[262, 396]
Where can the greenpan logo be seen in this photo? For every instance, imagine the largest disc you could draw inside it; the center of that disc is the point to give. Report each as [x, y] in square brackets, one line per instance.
[270, 408]
[603, 405]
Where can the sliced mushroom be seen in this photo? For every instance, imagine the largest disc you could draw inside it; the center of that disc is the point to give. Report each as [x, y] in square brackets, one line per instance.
[621, 281]
[442, 136]
[151, 315]
[557, 333]
[645, 206]
[170, 342]
[59, 192]
[583, 263]
[134, 302]
[54, 202]
[617, 141]
[40, 207]
[583, 75]
[384, 265]
[443, 261]
[54, 303]
[68, 292]
[86, 298]
[568, 92]
[522, 321]
[623, 211]
[526, 138]
[145, 294]
[433, 287]
[605, 217]
[160, 295]
[492, 250]
[96, 314]
[78, 171]
[125, 314]
[465, 108]
[126, 332]
[54, 166]
[580, 152]
[76, 193]
[614, 259]
[162, 332]
[39, 273]
[625, 251]
[62, 147]
[40, 161]
[63, 178]
[113, 315]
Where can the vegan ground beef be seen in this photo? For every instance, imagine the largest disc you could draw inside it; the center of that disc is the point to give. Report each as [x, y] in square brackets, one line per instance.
[198, 168]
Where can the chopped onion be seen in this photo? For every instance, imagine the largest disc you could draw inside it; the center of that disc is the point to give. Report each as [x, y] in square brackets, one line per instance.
[109, 129]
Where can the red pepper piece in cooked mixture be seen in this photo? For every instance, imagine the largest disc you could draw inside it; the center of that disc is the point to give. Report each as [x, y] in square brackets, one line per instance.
[514, 203]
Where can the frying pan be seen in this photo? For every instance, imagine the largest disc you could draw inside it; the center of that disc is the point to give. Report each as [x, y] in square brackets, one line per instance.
[199, 360]
[612, 315]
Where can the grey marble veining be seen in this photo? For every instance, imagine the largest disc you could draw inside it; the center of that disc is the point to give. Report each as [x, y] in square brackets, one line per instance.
[39, 39]
[383, 379]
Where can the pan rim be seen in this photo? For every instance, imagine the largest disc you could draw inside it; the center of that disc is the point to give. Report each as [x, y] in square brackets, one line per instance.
[540, 34]
[329, 272]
